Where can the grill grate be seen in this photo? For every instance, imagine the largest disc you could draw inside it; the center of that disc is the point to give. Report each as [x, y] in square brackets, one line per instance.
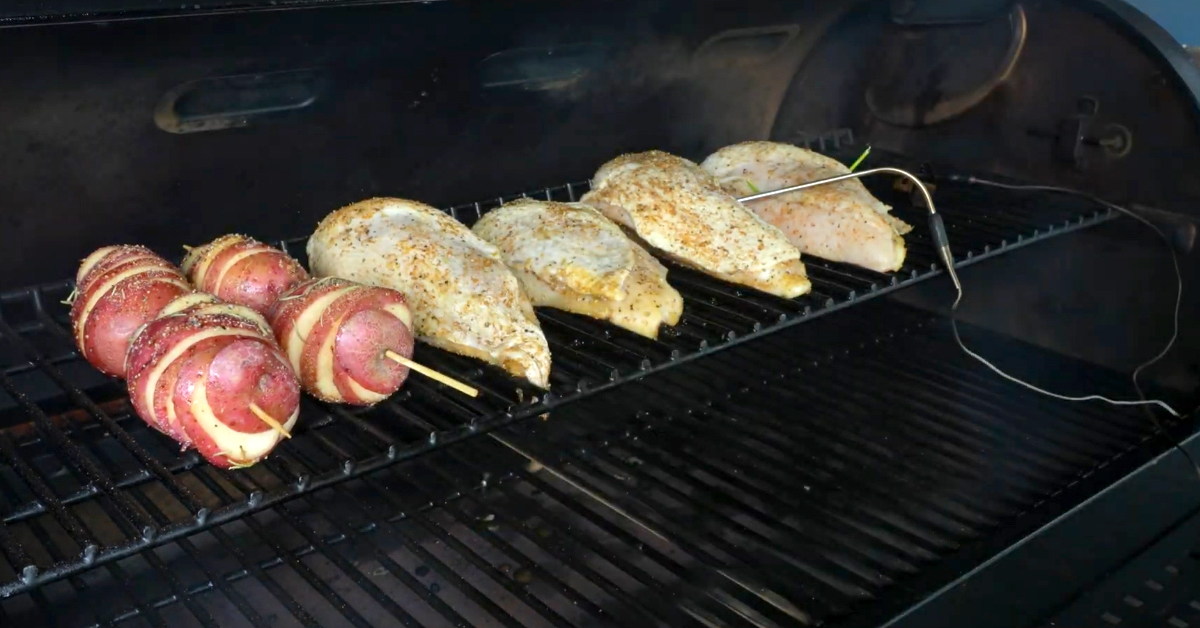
[693, 505]
[83, 481]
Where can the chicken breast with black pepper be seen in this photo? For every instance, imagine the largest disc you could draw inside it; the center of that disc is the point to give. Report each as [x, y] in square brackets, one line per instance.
[463, 298]
[839, 221]
[569, 256]
[680, 210]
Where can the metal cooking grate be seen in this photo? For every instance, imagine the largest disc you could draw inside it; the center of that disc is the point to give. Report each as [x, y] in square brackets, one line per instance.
[733, 516]
[77, 469]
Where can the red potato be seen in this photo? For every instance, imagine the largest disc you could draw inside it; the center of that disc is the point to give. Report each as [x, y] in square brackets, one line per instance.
[117, 290]
[107, 256]
[241, 270]
[187, 325]
[337, 335]
[218, 387]
[210, 376]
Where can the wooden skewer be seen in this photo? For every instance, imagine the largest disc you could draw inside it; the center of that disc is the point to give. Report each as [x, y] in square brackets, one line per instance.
[432, 374]
[269, 420]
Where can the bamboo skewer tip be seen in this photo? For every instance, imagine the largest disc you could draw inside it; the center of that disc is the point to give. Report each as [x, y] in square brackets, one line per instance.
[269, 420]
[432, 374]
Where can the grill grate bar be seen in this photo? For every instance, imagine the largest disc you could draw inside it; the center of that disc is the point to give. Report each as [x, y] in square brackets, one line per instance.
[865, 542]
[448, 573]
[507, 513]
[579, 538]
[214, 580]
[980, 429]
[394, 609]
[140, 609]
[701, 597]
[847, 447]
[736, 298]
[304, 570]
[947, 435]
[1071, 450]
[130, 518]
[249, 568]
[361, 581]
[848, 451]
[475, 559]
[612, 351]
[490, 524]
[1085, 444]
[841, 449]
[763, 455]
[934, 522]
[714, 614]
[860, 569]
[1086, 421]
[197, 611]
[504, 515]
[958, 435]
[148, 505]
[747, 528]
[84, 541]
[715, 550]
[13, 551]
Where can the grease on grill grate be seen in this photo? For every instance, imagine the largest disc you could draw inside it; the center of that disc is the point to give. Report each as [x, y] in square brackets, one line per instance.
[83, 480]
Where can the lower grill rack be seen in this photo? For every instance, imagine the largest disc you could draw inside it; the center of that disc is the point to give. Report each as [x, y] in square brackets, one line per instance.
[77, 468]
[685, 498]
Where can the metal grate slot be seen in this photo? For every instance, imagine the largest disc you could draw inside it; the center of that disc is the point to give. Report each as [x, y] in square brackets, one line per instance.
[79, 468]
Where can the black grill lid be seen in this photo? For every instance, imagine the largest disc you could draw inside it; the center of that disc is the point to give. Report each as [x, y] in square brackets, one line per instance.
[170, 131]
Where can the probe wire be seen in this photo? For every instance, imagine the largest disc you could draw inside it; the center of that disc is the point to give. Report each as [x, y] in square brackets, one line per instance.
[942, 242]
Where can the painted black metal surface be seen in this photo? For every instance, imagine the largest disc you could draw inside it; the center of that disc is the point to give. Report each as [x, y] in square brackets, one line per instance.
[798, 480]
[449, 101]
[1034, 577]
[1146, 90]
[1160, 588]
[441, 102]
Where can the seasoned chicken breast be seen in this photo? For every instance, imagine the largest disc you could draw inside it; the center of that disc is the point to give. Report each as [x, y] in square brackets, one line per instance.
[838, 221]
[676, 207]
[463, 298]
[569, 256]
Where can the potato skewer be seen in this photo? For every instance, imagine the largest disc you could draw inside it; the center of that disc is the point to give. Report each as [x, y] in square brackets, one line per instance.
[349, 343]
[269, 420]
[470, 391]
[117, 290]
[241, 270]
[210, 375]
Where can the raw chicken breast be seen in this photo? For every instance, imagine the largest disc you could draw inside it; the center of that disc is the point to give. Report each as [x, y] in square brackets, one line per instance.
[837, 221]
[569, 256]
[676, 207]
[463, 298]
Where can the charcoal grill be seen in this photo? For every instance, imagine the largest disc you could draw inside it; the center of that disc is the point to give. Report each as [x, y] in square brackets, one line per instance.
[828, 460]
